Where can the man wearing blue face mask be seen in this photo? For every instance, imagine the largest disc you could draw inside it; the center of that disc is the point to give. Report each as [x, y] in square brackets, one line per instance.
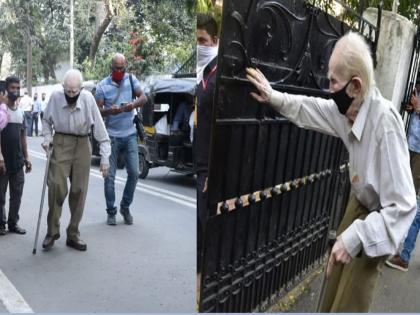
[379, 168]
[207, 46]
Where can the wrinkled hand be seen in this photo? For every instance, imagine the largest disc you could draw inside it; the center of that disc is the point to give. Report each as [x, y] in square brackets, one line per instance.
[28, 166]
[46, 147]
[104, 170]
[128, 108]
[256, 77]
[338, 255]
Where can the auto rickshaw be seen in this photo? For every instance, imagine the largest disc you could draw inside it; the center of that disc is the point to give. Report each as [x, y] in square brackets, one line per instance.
[167, 119]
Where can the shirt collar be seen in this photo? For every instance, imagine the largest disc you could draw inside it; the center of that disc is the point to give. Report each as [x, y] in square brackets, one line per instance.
[360, 122]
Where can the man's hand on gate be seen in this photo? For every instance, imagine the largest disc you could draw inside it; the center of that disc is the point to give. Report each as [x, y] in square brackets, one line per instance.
[338, 255]
[45, 146]
[104, 170]
[256, 77]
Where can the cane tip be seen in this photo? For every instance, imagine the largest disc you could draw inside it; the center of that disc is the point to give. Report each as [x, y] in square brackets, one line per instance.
[34, 251]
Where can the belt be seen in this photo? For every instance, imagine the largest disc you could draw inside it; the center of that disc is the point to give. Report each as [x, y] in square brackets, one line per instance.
[72, 135]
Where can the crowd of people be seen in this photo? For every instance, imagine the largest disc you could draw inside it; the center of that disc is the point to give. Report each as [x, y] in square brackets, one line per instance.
[67, 121]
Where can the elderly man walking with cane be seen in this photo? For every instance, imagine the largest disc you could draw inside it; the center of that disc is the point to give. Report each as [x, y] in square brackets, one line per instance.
[71, 113]
[382, 204]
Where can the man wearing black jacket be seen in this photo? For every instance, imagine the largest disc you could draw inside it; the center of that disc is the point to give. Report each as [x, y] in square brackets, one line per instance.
[207, 46]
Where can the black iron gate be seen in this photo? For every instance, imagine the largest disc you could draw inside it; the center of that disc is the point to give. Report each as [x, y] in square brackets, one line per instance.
[274, 189]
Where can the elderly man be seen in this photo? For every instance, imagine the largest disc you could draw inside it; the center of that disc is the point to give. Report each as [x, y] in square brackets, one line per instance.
[383, 202]
[71, 113]
[114, 96]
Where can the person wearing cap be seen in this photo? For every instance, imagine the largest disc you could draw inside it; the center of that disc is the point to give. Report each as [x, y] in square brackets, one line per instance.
[382, 202]
[68, 119]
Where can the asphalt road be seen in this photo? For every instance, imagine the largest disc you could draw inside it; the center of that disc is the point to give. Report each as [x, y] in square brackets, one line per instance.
[146, 267]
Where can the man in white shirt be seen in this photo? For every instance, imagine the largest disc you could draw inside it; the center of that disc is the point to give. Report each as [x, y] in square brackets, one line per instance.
[25, 104]
[382, 204]
[68, 119]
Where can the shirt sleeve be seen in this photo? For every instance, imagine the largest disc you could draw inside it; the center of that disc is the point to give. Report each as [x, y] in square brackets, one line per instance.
[309, 112]
[101, 135]
[136, 84]
[99, 93]
[382, 231]
[47, 122]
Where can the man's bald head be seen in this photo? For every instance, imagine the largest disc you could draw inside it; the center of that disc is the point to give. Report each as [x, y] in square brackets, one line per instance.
[72, 82]
[118, 59]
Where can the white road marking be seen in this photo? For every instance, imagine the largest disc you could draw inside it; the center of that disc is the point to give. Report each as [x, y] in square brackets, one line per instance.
[11, 298]
[148, 189]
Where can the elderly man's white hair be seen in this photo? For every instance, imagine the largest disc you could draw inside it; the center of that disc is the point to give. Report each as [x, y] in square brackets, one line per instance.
[74, 77]
[354, 58]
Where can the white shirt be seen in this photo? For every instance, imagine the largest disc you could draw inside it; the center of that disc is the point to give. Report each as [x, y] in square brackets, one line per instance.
[78, 120]
[25, 103]
[379, 169]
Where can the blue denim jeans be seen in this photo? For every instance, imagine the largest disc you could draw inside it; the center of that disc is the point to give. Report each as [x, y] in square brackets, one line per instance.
[410, 241]
[127, 145]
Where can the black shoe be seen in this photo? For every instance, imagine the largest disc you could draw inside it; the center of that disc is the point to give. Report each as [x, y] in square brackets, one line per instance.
[128, 218]
[76, 244]
[111, 220]
[49, 240]
[17, 229]
[2, 230]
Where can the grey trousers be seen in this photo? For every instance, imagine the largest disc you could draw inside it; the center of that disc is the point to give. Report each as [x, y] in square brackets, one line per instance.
[15, 181]
[70, 159]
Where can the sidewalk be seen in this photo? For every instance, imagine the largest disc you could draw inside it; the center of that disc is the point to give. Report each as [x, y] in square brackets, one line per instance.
[396, 291]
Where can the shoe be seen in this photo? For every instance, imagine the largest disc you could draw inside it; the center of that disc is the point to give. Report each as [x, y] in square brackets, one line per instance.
[49, 240]
[128, 218]
[2, 230]
[111, 220]
[397, 263]
[17, 229]
[76, 244]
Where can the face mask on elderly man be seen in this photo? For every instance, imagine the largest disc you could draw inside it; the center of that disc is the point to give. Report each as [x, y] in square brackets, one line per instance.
[342, 99]
[205, 54]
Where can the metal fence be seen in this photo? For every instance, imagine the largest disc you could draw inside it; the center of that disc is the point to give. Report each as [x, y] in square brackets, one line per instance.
[274, 189]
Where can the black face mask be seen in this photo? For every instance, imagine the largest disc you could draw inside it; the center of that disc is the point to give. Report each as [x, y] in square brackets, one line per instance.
[342, 100]
[72, 99]
[13, 96]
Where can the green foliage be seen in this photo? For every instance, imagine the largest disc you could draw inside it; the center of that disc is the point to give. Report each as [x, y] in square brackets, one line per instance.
[154, 35]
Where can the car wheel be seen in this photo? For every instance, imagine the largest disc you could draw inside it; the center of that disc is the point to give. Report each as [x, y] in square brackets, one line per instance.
[143, 167]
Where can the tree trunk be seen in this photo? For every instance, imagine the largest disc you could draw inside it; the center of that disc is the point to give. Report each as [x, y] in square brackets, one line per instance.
[29, 65]
[71, 34]
[100, 31]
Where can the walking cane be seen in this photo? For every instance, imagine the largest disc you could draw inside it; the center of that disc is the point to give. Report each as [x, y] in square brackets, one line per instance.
[42, 198]
[332, 236]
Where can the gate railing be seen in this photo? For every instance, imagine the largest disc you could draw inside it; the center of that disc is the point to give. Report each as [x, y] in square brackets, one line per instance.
[274, 190]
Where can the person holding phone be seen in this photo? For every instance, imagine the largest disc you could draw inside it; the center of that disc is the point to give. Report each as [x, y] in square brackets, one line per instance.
[114, 97]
